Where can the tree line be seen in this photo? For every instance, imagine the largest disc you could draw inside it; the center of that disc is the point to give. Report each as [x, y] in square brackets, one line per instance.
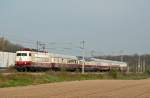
[7, 46]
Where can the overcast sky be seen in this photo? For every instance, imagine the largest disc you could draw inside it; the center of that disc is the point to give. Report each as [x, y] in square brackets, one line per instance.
[106, 25]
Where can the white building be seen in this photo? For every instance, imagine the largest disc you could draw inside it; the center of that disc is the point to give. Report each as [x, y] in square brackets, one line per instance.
[7, 59]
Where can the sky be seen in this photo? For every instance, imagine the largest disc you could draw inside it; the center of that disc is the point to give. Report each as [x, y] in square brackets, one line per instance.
[107, 26]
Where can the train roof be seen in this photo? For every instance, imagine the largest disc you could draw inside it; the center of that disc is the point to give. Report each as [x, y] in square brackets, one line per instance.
[62, 56]
[108, 61]
[101, 60]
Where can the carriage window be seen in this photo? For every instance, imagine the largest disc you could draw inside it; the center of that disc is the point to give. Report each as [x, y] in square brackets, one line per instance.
[29, 54]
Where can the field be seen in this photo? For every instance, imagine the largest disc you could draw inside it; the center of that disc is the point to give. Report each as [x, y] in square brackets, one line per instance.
[74, 85]
[13, 79]
[82, 89]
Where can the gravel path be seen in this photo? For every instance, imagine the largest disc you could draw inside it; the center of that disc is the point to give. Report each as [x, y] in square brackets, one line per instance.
[82, 89]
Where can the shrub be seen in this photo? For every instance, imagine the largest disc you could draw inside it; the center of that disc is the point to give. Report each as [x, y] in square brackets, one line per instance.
[147, 71]
[113, 73]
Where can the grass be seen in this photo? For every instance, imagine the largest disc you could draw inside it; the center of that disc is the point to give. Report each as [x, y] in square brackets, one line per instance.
[24, 79]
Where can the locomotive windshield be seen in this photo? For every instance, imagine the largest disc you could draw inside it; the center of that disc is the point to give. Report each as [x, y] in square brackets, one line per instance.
[18, 54]
[21, 54]
[24, 54]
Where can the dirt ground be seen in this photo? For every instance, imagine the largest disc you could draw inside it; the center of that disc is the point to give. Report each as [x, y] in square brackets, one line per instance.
[82, 89]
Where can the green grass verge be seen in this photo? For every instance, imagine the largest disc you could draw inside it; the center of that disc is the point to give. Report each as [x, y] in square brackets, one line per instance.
[24, 79]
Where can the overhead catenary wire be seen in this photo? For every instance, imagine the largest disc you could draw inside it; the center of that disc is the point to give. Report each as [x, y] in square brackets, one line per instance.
[51, 46]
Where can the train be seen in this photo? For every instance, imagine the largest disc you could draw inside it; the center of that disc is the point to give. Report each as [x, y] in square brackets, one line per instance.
[29, 60]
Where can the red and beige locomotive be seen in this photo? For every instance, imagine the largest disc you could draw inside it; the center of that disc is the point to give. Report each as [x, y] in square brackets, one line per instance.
[27, 59]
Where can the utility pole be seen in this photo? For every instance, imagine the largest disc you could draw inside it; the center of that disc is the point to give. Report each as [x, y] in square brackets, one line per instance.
[37, 44]
[121, 56]
[37, 49]
[144, 63]
[139, 63]
[83, 56]
[40, 46]
[43, 46]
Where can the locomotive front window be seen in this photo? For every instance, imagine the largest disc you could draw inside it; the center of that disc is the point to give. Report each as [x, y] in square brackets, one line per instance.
[18, 54]
[21, 54]
[24, 54]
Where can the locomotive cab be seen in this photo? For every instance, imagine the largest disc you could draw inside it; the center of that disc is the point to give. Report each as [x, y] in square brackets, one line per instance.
[23, 58]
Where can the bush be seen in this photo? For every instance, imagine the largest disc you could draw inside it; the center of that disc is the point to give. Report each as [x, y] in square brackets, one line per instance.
[113, 73]
[147, 71]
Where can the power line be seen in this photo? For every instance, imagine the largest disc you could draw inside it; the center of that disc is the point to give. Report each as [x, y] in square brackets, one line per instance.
[54, 46]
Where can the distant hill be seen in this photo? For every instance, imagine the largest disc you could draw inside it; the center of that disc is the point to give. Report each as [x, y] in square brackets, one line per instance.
[7, 46]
